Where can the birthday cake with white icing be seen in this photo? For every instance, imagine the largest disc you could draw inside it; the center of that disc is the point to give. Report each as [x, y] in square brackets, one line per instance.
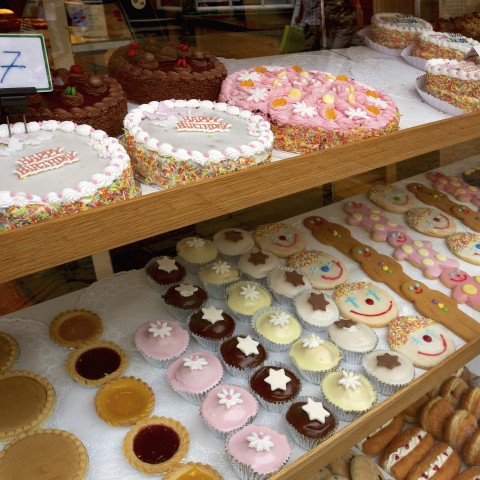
[56, 168]
[454, 46]
[310, 110]
[457, 83]
[179, 141]
[396, 30]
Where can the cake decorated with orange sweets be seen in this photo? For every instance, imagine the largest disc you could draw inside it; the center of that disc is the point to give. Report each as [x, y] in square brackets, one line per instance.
[154, 70]
[310, 110]
[455, 82]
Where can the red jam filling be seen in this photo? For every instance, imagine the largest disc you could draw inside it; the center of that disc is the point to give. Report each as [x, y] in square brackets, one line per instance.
[156, 444]
[97, 363]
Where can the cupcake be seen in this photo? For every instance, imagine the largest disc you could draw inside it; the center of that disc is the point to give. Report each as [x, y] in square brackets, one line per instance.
[388, 371]
[194, 375]
[184, 299]
[348, 394]
[217, 276]
[233, 242]
[163, 272]
[275, 386]
[161, 342]
[277, 328]
[241, 355]
[195, 252]
[245, 298]
[257, 264]
[257, 452]
[287, 283]
[314, 357]
[316, 310]
[210, 326]
[355, 339]
[228, 408]
[309, 422]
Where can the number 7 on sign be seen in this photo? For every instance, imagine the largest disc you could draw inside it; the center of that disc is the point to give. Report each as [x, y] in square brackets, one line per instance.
[11, 65]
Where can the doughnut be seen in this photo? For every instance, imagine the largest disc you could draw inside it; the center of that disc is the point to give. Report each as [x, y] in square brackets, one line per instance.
[458, 428]
[471, 401]
[405, 451]
[453, 389]
[374, 443]
[471, 449]
[412, 412]
[472, 473]
[434, 415]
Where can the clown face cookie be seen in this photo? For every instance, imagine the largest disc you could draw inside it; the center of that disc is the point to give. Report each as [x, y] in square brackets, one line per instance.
[430, 221]
[365, 303]
[465, 246]
[391, 198]
[323, 270]
[280, 239]
[421, 339]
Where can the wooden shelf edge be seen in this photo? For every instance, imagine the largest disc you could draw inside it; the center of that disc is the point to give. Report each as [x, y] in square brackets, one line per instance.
[37, 247]
[343, 440]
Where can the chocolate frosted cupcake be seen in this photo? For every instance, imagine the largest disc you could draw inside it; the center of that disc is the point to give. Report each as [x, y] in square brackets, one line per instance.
[241, 355]
[275, 386]
[233, 242]
[184, 299]
[309, 422]
[211, 326]
[163, 272]
[217, 276]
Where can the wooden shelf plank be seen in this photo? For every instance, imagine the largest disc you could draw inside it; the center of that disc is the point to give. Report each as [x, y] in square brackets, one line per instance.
[37, 247]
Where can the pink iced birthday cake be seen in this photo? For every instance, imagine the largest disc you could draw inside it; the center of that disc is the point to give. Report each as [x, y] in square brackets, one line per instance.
[454, 82]
[311, 110]
[58, 168]
[178, 141]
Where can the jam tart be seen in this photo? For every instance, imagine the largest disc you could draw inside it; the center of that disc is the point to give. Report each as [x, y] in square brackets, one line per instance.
[9, 352]
[192, 471]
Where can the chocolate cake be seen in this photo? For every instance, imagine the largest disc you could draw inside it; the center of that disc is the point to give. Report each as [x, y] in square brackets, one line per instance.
[176, 297]
[214, 330]
[83, 97]
[298, 418]
[163, 71]
[234, 356]
[264, 390]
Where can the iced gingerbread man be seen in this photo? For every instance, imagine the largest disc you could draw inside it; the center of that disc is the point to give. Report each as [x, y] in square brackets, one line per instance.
[465, 288]
[456, 186]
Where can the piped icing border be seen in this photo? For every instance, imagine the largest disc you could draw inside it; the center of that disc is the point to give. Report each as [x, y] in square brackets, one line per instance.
[455, 41]
[101, 144]
[461, 70]
[262, 136]
[400, 22]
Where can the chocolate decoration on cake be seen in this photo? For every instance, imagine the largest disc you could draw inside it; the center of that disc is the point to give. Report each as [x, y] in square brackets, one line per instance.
[174, 297]
[264, 390]
[258, 258]
[318, 301]
[232, 355]
[387, 360]
[298, 418]
[233, 236]
[342, 323]
[205, 328]
[294, 278]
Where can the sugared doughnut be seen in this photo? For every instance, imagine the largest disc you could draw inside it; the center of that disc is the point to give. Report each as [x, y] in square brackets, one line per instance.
[471, 401]
[453, 389]
[458, 428]
[471, 449]
[434, 414]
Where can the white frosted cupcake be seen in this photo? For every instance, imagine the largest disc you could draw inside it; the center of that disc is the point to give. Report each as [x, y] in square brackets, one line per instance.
[287, 283]
[257, 264]
[217, 276]
[245, 298]
[388, 371]
[277, 328]
[195, 252]
[316, 310]
[233, 242]
[355, 339]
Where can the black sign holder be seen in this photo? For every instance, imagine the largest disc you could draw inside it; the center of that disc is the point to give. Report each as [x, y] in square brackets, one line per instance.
[13, 101]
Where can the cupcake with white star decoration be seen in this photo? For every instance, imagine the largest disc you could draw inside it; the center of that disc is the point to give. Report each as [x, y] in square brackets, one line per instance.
[348, 394]
[257, 452]
[163, 272]
[184, 299]
[228, 408]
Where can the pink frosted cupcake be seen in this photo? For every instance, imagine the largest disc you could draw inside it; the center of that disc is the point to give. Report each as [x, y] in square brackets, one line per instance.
[161, 342]
[228, 408]
[194, 375]
[257, 452]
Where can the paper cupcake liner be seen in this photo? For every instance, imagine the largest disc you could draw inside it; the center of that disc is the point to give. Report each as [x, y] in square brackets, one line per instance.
[243, 373]
[218, 291]
[317, 376]
[182, 314]
[233, 259]
[225, 434]
[276, 407]
[416, 62]
[354, 358]
[164, 362]
[435, 102]
[211, 344]
[306, 442]
[341, 414]
[242, 317]
[195, 398]
[193, 267]
[158, 287]
[383, 387]
[364, 34]
[271, 345]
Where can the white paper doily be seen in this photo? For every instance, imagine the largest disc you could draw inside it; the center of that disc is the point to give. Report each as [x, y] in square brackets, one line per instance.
[417, 62]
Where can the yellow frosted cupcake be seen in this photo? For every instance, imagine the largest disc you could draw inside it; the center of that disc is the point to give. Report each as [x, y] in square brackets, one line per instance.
[245, 298]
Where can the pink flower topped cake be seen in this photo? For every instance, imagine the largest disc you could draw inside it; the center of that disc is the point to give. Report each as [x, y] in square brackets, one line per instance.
[258, 451]
[454, 82]
[227, 408]
[56, 168]
[311, 110]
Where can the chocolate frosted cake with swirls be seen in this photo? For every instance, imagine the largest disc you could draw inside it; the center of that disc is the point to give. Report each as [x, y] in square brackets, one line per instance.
[83, 97]
[158, 71]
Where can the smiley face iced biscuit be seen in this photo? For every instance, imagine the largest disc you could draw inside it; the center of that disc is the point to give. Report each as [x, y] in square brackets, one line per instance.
[430, 221]
[421, 339]
[323, 270]
[365, 303]
[391, 198]
[465, 287]
[465, 245]
[371, 220]
[420, 254]
[280, 239]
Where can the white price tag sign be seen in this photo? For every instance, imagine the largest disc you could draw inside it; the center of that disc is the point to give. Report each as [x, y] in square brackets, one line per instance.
[24, 62]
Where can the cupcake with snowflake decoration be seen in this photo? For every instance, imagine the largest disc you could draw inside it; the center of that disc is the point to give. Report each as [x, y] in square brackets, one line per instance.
[217, 276]
[196, 252]
[245, 298]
